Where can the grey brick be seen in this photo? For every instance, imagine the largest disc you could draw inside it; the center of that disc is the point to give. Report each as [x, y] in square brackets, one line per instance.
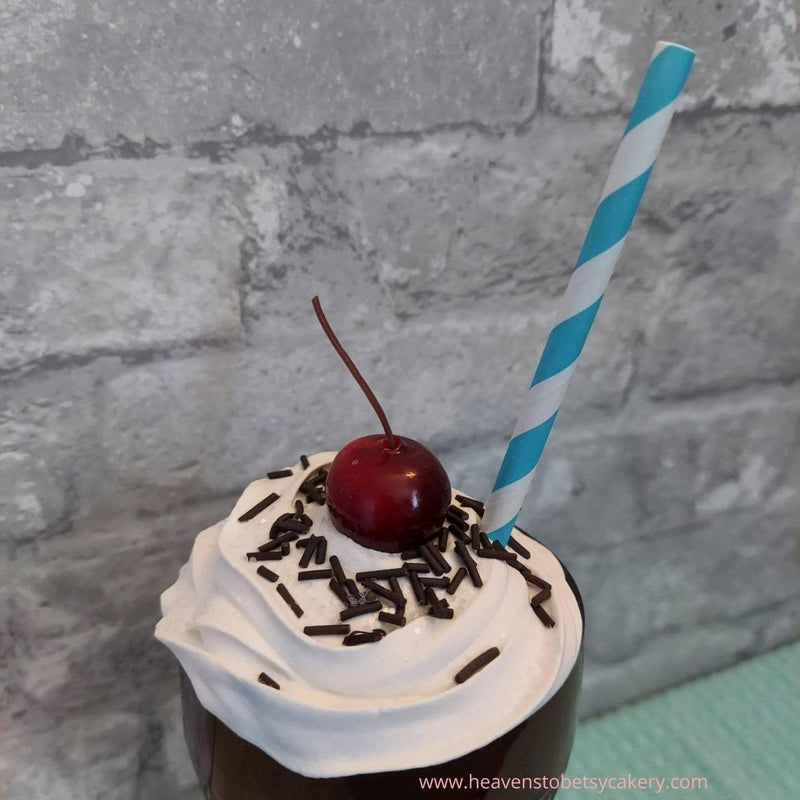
[746, 52]
[213, 423]
[647, 475]
[695, 578]
[91, 757]
[82, 617]
[33, 498]
[662, 662]
[458, 218]
[298, 67]
[728, 302]
[722, 332]
[119, 256]
[46, 439]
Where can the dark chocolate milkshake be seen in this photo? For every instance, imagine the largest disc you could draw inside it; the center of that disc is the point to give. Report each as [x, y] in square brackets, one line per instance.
[318, 667]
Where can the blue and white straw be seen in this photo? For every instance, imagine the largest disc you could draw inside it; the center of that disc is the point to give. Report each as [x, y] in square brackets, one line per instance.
[648, 123]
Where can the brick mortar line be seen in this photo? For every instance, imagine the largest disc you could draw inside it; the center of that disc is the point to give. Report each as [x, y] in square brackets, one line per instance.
[28, 545]
[133, 356]
[749, 397]
[639, 415]
[650, 417]
[687, 528]
[76, 150]
[545, 40]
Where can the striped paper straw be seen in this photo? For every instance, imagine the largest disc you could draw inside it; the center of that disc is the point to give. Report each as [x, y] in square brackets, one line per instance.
[633, 163]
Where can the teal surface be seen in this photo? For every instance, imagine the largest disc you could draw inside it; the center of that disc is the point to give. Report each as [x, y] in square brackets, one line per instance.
[739, 729]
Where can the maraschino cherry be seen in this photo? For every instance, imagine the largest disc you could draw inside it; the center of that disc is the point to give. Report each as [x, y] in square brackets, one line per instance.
[384, 491]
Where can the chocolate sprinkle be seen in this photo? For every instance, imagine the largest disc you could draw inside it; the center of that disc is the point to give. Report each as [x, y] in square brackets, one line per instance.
[442, 543]
[275, 543]
[326, 630]
[439, 583]
[515, 545]
[351, 587]
[279, 473]
[305, 462]
[321, 550]
[285, 549]
[477, 663]
[357, 611]
[443, 562]
[416, 566]
[409, 554]
[459, 534]
[267, 681]
[485, 540]
[455, 581]
[270, 555]
[303, 542]
[468, 502]
[267, 573]
[316, 496]
[305, 559]
[437, 562]
[314, 480]
[431, 596]
[539, 598]
[290, 601]
[394, 619]
[382, 591]
[491, 552]
[339, 590]
[427, 554]
[469, 563]
[458, 512]
[259, 507]
[437, 608]
[313, 574]
[337, 569]
[363, 637]
[380, 574]
[395, 586]
[457, 521]
[275, 530]
[546, 619]
[531, 578]
[475, 532]
[290, 524]
[419, 591]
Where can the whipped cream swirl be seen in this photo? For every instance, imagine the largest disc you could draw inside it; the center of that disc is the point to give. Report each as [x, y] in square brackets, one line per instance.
[383, 706]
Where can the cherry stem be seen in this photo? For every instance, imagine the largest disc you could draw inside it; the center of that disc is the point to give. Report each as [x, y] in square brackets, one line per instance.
[359, 378]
